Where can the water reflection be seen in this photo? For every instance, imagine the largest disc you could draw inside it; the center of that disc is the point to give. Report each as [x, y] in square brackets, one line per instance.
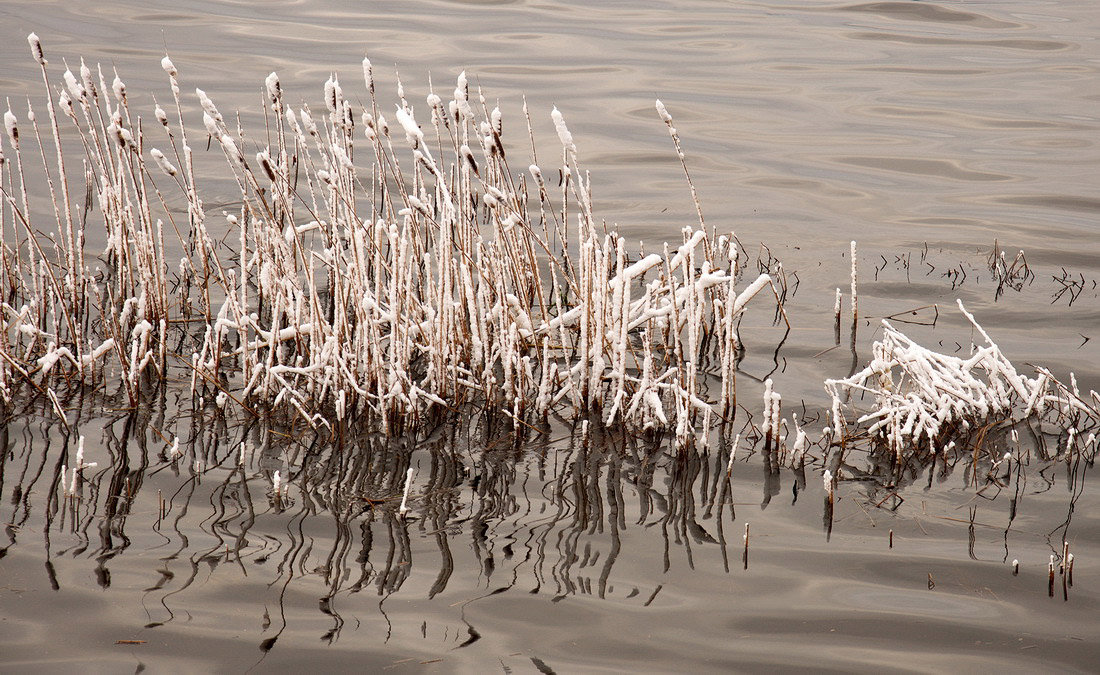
[191, 500]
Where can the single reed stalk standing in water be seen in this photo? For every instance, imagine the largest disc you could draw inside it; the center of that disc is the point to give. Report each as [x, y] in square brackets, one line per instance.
[1065, 571]
[667, 119]
[1050, 576]
[855, 295]
[405, 493]
[836, 314]
[745, 554]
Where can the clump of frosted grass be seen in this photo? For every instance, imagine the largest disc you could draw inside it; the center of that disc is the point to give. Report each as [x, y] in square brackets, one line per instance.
[361, 282]
[923, 399]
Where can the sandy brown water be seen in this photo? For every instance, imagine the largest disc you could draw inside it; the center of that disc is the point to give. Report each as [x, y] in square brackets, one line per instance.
[926, 131]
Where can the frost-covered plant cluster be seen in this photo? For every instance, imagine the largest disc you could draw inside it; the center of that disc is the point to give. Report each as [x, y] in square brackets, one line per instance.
[924, 399]
[385, 265]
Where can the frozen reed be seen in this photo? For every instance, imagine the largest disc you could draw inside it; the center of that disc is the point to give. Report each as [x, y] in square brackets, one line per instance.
[386, 266]
[925, 400]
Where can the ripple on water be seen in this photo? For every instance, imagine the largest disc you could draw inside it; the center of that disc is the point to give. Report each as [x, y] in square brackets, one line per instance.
[914, 603]
[942, 168]
[925, 40]
[929, 12]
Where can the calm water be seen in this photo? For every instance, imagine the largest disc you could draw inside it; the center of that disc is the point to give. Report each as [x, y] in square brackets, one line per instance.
[926, 131]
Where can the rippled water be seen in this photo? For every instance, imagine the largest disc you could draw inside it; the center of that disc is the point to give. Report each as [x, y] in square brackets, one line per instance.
[926, 131]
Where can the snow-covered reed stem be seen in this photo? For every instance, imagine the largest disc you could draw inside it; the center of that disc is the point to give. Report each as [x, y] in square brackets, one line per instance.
[662, 111]
[855, 279]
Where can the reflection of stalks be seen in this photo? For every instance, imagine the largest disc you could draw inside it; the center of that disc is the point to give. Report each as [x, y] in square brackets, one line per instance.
[518, 512]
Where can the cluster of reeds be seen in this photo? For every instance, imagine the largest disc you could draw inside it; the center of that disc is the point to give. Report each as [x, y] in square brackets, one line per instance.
[364, 282]
[926, 402]
[392, 275]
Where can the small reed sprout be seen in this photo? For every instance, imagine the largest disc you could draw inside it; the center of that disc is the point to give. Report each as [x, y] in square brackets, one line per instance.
[745, 554]
[404, 508]
[279, 488]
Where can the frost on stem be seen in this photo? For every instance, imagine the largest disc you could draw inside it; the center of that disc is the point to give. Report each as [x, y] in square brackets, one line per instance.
[36, 49]
[855, 297]
[663, 112]
[274, 89]
[162, 162]
[563, 131]
[11, 126]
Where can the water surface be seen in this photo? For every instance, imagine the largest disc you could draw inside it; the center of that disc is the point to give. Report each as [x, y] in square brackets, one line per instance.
[929, 132]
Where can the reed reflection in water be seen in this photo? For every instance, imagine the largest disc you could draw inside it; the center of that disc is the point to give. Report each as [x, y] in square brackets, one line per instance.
[196, 502]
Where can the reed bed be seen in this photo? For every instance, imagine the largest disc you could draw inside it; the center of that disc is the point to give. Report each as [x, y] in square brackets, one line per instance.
[387, 267]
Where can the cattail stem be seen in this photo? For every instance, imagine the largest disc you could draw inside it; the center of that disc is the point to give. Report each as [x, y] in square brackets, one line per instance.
[1065, 571]
[1050, 577]
[855, 296]
[829, 481]
[405, 494]
[745, 554]
[836, 316]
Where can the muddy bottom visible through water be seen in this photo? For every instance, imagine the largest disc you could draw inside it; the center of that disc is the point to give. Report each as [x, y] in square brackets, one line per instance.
[936, 135]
